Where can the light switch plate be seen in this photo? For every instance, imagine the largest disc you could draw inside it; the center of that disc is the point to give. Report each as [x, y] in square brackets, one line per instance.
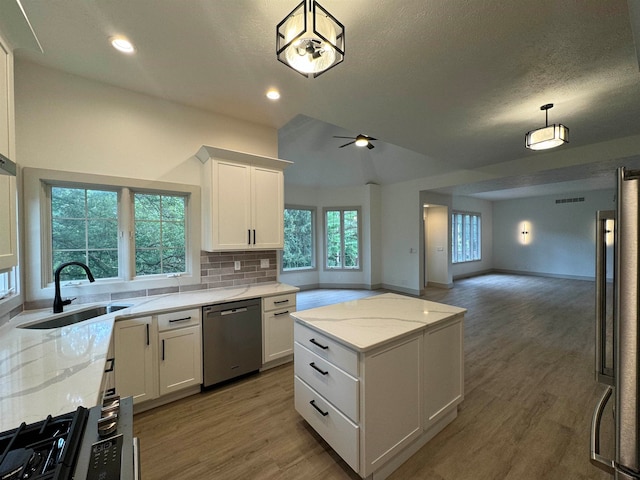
[264, 263]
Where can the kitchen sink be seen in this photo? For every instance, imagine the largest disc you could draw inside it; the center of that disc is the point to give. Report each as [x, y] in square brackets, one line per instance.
[75, 317]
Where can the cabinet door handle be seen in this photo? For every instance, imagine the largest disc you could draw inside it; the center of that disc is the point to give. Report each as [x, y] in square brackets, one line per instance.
[180, 319]
[249, 237]
[324, 347]
[148, 339]
[286, 312]
[313, 404]
[278, 302]
[254, 237]
[163, 350]
[315, 367]
[111, 366]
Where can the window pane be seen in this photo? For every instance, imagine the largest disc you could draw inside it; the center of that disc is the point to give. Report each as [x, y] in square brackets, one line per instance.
[351, 239]
[103, 263]
[67, 202]
[67, 234]
[102, 204]
[160, 234]
[298, 250]
[334, 240]
[102, 234]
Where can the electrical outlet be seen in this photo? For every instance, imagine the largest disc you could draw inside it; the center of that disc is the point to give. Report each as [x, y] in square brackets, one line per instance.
[264, 263]
[236, 265]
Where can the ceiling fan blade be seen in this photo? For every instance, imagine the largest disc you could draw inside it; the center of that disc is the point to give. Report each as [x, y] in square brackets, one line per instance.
[370, 145]
[346, 144]
[370, 138]
[352, 138]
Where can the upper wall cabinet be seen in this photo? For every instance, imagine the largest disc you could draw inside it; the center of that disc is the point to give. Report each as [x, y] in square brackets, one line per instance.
[8, 225]
[242, 200]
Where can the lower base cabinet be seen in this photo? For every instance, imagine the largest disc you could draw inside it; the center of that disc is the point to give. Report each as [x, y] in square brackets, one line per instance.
[180, 359]
[377, 407]
[157, 355]
[135, 359]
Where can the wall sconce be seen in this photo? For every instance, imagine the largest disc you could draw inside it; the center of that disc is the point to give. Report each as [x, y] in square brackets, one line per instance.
[524, 233]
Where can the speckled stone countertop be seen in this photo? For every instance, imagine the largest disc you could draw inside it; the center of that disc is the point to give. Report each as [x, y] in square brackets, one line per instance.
[54, 371]
[370, 322]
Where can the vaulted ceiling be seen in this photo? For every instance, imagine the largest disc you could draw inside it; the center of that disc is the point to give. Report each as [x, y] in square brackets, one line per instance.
[445, 86]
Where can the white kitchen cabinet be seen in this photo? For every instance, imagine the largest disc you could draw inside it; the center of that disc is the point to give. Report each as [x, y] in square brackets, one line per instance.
[136, 360]
[180, 350]
[242, 201]
[376, 408]
[8, 225]
[157, 355]
[277, 327]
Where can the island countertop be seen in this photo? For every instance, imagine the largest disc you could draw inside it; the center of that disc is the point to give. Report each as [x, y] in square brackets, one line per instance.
[54, 371]
[370, 322]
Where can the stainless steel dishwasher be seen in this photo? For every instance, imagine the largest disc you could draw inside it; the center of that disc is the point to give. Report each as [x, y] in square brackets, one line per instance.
[231, 340]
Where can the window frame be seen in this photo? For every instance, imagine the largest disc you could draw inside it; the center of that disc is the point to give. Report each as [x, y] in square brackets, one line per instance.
[314, 243]
[38, 230]
[324, 222]
[454, 259]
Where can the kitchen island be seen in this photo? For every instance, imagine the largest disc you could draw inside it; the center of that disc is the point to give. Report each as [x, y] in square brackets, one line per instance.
[379, 377]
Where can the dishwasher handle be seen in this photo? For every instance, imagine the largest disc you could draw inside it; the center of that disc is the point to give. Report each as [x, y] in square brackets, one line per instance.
[233, 310]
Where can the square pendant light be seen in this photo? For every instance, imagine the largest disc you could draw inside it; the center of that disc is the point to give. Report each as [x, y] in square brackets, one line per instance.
[549, 136]
[310, 40]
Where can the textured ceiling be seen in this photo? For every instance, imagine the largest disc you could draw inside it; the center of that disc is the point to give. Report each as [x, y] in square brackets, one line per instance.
[445, 86]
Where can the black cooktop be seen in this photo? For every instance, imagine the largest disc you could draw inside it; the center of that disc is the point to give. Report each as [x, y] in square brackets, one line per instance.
[44, 450]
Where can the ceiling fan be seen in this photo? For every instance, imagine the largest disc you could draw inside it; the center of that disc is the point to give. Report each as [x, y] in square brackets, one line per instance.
[360, 141]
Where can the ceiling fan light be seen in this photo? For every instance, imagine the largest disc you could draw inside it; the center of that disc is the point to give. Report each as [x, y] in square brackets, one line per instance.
[310, 40]
[361, 141]
[547, 137]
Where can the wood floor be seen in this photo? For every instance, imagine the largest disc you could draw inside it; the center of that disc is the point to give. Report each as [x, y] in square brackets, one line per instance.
[529, 395]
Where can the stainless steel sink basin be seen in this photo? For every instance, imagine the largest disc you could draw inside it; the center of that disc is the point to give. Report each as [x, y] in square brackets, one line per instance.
[75, 317]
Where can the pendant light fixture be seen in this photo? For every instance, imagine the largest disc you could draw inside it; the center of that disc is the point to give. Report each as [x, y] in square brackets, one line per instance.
[310, 40]
[550, 136]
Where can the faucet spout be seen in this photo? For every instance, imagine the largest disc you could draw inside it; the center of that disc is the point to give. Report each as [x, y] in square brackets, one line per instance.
[58, 303]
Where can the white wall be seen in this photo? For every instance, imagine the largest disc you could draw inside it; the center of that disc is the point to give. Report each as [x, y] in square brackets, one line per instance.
[561, 238]
[66, 122]
[367, 197]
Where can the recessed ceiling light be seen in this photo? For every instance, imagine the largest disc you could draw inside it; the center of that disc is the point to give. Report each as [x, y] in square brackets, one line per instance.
[122, 44]
[273, 94]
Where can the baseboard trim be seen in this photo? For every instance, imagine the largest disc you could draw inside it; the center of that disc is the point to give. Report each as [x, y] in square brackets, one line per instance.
[395, 288]
[543, 274]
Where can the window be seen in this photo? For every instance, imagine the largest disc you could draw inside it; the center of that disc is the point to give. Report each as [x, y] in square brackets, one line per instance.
[8, 283]
[84, 228]
[342, 238]
[160, 236]
[299, 239]
[466, 233]
[91, 224]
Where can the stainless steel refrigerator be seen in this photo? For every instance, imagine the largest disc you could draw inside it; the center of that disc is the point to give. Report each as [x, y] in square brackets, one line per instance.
[617, 332]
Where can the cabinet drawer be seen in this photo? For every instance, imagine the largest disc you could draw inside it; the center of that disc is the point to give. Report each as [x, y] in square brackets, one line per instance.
[179, 319]
[280, 301]
[338, 387]
[336, 429]
[327, 348]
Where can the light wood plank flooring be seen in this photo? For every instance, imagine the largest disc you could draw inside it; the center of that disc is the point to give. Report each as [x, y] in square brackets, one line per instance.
[529, 395]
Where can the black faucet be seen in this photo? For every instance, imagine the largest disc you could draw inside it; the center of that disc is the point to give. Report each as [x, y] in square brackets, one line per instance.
[58, 303]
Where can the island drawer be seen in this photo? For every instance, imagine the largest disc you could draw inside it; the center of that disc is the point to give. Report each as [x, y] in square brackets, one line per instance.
[333, 426]
[280, 301]
[179, 319]
[327, 348]
[338, 387]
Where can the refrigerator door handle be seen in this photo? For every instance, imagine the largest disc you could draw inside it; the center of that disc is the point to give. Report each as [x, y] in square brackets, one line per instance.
[596, 459]
[603, 374]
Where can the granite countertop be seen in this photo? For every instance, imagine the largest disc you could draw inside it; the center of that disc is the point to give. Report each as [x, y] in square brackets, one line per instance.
[370, 322]
[54, 371]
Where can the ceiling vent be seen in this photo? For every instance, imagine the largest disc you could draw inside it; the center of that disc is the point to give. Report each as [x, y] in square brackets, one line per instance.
[570, 200]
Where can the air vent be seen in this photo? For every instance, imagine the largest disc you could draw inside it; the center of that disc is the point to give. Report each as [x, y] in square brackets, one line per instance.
[570, 200]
